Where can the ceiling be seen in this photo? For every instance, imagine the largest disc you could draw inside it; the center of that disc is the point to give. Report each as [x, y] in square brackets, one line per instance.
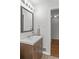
[45, 2]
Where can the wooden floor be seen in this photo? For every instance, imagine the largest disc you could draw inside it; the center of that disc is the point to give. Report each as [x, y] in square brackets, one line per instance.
[55, 47]
[49, 57]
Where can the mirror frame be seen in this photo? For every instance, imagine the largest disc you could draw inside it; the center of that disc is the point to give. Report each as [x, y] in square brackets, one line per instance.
[22, 20]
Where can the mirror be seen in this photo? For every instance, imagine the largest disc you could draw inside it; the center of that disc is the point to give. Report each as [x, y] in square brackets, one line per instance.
[27, 21]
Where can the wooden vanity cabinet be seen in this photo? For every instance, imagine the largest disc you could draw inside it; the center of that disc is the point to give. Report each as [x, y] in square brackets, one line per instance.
[31, 51]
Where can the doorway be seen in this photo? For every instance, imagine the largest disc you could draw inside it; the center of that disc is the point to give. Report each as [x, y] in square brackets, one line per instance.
[55, 32]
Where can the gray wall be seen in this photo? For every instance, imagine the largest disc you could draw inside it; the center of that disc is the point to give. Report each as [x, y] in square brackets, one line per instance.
[55, 28]
[55, 23]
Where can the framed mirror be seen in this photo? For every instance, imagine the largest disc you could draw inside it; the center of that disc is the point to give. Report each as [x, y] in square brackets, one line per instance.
[27, 21]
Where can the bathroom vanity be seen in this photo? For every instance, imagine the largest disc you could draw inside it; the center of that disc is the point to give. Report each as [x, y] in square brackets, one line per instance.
[31, 47]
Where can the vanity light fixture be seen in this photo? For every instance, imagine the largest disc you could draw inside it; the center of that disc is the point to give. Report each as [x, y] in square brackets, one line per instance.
[29, 6]
[26, 4]
[23, 1]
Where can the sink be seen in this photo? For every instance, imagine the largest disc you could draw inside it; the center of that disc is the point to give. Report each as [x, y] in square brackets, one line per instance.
[31, 40]
[33, 37]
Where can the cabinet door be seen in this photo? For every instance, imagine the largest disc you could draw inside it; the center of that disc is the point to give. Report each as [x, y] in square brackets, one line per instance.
[37, 50]
[25, 51]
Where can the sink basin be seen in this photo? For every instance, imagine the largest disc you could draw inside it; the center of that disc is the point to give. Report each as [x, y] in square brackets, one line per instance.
[33, 37]
[31, 40]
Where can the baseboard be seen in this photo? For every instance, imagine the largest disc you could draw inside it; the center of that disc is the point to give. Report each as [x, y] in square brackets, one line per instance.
[45, 53]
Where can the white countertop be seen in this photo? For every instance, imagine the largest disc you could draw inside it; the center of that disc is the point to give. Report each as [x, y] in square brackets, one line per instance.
[30, 40]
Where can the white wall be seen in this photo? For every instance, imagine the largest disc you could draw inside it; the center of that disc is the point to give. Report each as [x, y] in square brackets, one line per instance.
[43, 18]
